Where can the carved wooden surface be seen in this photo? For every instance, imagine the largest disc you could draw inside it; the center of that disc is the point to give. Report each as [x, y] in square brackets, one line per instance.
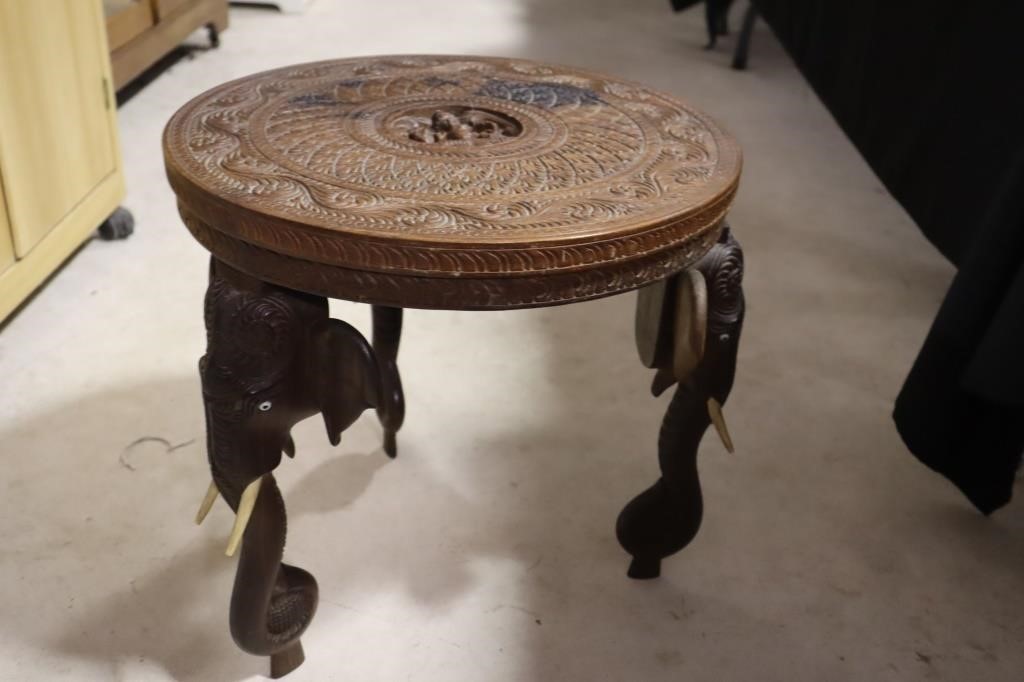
[386, 172]
[438, 182]
[274, 357]
[664, 518]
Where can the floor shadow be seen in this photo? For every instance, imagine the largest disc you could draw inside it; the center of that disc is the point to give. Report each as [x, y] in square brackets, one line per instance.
[129, 579]
[144, 586]
[185, 51]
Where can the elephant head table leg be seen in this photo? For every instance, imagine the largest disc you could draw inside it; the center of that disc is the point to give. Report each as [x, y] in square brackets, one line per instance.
[688, 328]
[387, 331]
[273, 358]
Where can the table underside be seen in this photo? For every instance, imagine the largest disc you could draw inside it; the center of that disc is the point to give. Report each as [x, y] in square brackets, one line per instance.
[451, 293]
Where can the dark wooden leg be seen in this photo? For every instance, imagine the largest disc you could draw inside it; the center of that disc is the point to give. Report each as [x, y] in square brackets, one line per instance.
[739, 58]
[666, 517]
[273, 358]
[287, 660]
[214, 33]
[387, 332]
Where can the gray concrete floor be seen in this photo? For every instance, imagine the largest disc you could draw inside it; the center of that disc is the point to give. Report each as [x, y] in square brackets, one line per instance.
[486, 551]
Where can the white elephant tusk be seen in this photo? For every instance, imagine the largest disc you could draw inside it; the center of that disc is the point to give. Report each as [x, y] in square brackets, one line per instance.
[245, 507]
[207, 504]
[718, 419]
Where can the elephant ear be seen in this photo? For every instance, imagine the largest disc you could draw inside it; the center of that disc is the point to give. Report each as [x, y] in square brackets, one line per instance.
[345, 374]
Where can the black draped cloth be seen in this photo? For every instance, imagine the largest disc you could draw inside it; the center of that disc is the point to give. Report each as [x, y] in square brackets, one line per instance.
[932, 94]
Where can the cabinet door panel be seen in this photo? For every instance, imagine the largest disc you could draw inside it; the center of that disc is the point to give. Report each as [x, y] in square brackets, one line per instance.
[6, 245]
[56, 138]
[165, 7]
[126, 19]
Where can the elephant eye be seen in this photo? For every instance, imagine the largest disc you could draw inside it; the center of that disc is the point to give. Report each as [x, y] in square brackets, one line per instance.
[265, 406]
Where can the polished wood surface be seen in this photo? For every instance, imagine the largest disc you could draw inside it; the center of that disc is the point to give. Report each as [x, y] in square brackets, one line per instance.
[6, 243]
[450, 182]
[127, 19]
[60, 167]
[166, 7]
[59, 137]
[139, 45]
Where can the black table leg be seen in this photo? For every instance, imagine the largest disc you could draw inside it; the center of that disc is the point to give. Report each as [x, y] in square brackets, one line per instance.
[739, 58]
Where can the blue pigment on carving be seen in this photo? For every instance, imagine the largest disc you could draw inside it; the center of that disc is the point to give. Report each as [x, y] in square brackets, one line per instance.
[436, 82]
[546, 95]
[310, 100]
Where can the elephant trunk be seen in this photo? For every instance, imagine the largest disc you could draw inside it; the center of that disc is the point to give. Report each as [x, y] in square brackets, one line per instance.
[666, 517]
[272, 603]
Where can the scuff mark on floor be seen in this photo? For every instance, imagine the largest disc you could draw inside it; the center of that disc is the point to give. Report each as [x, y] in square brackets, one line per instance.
[168, 448]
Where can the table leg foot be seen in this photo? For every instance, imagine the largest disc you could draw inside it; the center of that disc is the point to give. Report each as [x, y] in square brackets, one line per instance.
[390, 443]
[283, 662]
[644, 569]
[664, 518]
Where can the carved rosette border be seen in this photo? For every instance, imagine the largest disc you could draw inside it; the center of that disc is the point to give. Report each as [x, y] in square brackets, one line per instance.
[451, 293]
[723, 266]
[479, 259]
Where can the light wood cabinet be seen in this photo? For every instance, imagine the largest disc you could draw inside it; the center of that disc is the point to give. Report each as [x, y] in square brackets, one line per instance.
[126, 19]
[60, 164]
[143, 31]
[6, 241]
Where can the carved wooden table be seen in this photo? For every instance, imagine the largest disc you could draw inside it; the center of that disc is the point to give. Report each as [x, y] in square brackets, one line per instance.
[463, 183]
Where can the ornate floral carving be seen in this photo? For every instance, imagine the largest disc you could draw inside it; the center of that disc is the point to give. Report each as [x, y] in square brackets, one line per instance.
[459, 124]
[322, 160]
[463, 293]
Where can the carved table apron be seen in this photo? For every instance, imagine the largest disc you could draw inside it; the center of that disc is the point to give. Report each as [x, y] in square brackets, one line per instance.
[465, 183]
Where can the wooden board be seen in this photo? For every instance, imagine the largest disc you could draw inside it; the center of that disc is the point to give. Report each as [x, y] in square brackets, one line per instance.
[126, 19]
[58, 137]
[176, 21]
[166, 7]
[6, 244]
[19, 280]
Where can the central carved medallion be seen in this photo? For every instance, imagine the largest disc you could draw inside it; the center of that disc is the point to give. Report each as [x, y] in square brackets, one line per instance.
[458, 124]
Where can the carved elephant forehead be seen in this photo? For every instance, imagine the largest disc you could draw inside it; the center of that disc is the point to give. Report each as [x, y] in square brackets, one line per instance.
[724, 289]
[251, 340]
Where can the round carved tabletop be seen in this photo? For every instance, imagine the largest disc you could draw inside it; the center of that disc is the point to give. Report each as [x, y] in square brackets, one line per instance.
[449, 182]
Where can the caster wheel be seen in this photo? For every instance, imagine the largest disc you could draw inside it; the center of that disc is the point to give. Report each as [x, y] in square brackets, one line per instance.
[118, 226]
